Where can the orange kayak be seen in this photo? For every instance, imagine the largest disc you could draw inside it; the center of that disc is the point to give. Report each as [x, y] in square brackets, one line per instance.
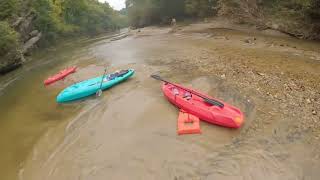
[62, 74]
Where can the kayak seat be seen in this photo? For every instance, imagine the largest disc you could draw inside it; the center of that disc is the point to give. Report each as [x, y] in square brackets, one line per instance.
[175, 91]
[187, 96]
[118, 74]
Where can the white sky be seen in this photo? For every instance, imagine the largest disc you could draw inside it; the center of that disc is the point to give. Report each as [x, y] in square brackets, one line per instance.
[116, 4]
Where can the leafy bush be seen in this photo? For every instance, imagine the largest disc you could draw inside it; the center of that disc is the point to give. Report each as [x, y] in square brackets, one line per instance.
[8, 38]
[8, 8]
[200, 8]
[145, 12]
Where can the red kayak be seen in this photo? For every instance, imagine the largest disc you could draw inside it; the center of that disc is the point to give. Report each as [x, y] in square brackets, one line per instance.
[188, 100]
[62, 74]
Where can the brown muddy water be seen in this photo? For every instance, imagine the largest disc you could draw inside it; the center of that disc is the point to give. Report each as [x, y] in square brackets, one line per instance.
[130, 132]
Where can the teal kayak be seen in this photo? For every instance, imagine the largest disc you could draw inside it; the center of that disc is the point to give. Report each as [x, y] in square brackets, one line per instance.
[91, 86]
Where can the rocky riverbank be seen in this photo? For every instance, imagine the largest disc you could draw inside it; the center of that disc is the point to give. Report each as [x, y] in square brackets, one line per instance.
[29, 24]
[28, 39]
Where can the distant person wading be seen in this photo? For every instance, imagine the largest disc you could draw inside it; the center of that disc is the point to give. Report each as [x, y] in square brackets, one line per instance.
[173, 24]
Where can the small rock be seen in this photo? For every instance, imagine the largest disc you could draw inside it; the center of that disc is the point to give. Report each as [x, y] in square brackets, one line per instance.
[260, 74]
[248, 41]
[314, 112]
[308, 101]
[223, 76]
[268, 93]
[221, 37]
[34, 33]
[31, 43]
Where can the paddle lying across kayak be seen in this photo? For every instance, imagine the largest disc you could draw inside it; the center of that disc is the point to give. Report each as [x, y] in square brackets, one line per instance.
[62, 74]
[202, 106]
[91, 86]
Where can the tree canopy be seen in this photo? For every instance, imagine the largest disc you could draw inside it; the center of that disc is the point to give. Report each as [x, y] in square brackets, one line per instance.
[64, 17]
[145, 12]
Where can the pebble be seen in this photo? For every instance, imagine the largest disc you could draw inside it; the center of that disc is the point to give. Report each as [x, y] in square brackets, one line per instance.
[223, 76]
[250, 40]
[314, 112]
[308, 101]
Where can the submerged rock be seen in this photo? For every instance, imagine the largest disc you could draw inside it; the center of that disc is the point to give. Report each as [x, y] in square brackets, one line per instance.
[314, 112]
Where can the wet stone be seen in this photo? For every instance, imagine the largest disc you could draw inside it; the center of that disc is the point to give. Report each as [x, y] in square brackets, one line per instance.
[308, 101]
[314, 112]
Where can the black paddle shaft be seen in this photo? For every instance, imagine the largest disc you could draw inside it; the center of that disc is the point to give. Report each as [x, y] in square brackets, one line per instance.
[207, 100]
[104, 73]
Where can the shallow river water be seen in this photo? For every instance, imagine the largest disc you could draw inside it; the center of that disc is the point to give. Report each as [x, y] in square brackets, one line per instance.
[130, 132]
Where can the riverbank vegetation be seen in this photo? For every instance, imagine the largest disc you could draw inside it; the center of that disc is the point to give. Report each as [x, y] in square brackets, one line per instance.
[25, 24]
[300, 18]
[28, 23]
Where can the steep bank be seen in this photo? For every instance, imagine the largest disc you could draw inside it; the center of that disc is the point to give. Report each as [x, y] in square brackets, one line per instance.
[300, 19]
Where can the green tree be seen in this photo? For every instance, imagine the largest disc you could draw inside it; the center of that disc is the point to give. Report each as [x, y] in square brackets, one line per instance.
[8, 8]
[145, 12]
[8, 38]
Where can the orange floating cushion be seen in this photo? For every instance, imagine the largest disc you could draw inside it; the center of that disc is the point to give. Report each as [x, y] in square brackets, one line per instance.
[188, 123]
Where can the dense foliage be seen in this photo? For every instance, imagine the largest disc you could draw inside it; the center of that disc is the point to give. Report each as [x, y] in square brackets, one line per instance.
[74, 16]
[55, 18]
[308, 9]
[144, 12]
[8, 8]
[8, 38]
